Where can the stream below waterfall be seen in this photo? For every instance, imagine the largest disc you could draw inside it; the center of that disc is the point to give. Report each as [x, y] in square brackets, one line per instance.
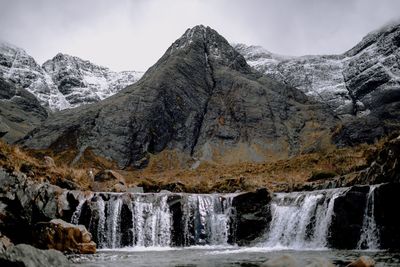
[170, 229]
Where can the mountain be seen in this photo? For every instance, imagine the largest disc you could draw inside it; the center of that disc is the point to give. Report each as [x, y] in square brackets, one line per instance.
[200, 102]
[361, 85]
[20, 111]
[17, 67]
[64, 81]
[82, 82]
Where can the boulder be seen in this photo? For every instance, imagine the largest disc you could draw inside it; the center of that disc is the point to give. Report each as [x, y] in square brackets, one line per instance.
[281, 261]
[60, 235]
[252, 215]
[289, 261]
[49, 161]
[363, 261]
[5, 243]
[348, 218]
[108, 180]
[27, 256]
[387, 201]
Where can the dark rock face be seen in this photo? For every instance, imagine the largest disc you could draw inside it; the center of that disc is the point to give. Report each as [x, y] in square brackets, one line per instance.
[27, 256]
[347, 221]
[384, 165]
[24, 203]
[387, 218]
[20, 112]
[203, 101]
[252, 215]
[361, 86]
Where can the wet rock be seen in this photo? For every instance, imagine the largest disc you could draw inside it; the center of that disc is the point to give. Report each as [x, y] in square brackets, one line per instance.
[347, 220]
[135, 189]
[387, 199]
[289, 261]
[281, 261]
[60, 235]
[252, 215]
[363, 261]
[27, 256]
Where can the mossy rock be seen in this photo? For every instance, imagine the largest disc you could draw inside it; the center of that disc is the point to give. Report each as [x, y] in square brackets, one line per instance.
[321, 175]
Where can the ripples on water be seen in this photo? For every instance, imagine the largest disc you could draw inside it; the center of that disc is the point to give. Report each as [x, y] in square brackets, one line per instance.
[218, 256]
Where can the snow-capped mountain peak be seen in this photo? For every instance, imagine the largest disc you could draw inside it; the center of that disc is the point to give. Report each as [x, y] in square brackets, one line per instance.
[64, 81]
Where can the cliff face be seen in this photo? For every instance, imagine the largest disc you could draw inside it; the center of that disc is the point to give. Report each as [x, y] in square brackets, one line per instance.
[64, 81]
[362, 86]
[20, 111]
[200, 101]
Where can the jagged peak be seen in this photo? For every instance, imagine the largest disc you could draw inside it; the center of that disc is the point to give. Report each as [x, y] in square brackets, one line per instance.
[204, 39]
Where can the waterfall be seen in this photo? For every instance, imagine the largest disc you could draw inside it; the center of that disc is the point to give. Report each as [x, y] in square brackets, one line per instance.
[207, 219]
[296, 220]
[370, 233]
[301, 219]
[147, 220]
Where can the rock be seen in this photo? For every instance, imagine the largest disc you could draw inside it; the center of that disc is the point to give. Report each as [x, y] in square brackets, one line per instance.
[49, 162]
[252, 215]
[388, 221]
[348, 218]
[359, 85]
[65, 237]
[108, 175]
[135, 189]
[289, 261]
[281, 261]
[67, 184]
[200, 100]
[119, 188]
[27, 256]
[108, 180]
[5, 243]
[20, 111]
[363, 261]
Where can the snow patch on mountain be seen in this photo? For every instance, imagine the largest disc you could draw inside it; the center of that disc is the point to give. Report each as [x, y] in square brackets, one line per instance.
[64, 81]
[349, 83]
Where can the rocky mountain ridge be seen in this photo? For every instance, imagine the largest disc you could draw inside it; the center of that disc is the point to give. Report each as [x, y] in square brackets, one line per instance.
[199, 102]
[64, 81]
[362, 85]
[347, 82]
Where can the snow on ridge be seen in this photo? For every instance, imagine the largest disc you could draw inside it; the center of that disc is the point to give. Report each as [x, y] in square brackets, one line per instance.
[64, 81]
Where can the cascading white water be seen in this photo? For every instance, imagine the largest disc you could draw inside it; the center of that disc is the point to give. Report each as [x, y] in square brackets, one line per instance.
[145, 220]
[151, 225]
[369, 233]
[207, 219]
[301, 219]
[77, 212]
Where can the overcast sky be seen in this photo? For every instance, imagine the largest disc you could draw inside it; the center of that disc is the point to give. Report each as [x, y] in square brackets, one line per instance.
[132, 35]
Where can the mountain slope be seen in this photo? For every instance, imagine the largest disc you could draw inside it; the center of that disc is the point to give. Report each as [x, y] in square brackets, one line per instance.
[17, 67]
[362, 85]
[20, 112]
[64, 81]
[200, 101]
[82, 82]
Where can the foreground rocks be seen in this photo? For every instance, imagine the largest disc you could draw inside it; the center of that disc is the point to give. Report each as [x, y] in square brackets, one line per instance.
[64, 236]
[27, 256]
[363, 261]
[5, 243]
[289, 261]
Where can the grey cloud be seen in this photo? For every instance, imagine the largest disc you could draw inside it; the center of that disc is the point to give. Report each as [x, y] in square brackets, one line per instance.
[125, 34]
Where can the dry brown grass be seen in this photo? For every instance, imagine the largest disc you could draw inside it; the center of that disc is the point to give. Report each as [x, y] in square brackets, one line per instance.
[207, 177]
